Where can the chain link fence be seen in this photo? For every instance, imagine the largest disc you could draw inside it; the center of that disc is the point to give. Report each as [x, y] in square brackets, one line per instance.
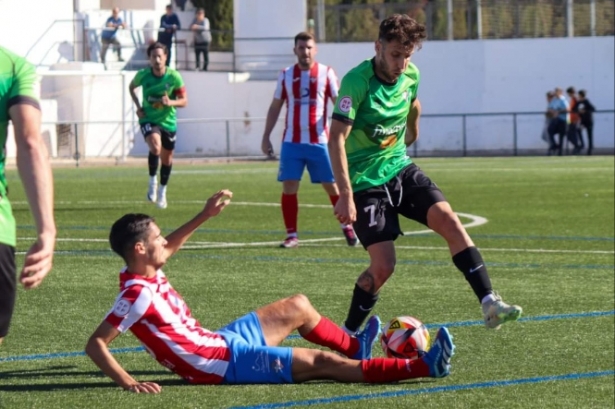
[470, 19]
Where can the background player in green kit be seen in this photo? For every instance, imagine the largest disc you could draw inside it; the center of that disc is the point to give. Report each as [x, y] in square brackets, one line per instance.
[19, 103]
[375, 119]
[163, 91]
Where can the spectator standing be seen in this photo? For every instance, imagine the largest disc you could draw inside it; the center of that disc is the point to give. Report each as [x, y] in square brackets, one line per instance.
[202, 37]
[548, 118]
[585, 110]
[574, 133]
[169, 24]
[558, 108]
[109, 35]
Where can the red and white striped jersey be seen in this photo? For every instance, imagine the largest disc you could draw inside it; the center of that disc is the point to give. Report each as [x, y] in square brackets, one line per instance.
[306, 93]
[157, 315]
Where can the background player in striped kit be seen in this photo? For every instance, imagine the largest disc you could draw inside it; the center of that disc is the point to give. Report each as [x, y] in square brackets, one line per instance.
[306, 88]
[246, 351]
[163, 91]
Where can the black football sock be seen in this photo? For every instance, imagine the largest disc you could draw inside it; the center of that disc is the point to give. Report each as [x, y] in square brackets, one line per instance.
[470, 263]
[152, 161]
[165, 173]
[360, 307]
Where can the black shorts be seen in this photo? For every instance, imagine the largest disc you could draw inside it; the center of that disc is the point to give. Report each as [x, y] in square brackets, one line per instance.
[167, 138]
[410, 193]
[8, 284]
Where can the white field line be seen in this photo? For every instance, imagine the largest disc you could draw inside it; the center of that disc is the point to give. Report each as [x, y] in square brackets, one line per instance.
[443, 248]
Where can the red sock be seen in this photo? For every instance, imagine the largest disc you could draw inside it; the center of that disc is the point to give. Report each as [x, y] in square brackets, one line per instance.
[384, 370]
[329, 335]
[334, 199]
[290, 209]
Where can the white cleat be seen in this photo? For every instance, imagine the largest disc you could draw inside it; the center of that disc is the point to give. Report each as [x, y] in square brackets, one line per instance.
[162, 198]
[497, 312]
[152, 192]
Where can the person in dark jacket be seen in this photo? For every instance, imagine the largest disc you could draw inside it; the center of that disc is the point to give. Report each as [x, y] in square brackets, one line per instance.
[169, 24]
[586, 110]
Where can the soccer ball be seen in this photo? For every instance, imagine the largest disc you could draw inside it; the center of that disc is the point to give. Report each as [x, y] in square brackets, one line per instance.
[405, 337]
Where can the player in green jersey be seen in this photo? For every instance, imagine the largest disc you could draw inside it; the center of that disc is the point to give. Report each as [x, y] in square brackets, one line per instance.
[375, 119]
[19, 104]
[163, 91]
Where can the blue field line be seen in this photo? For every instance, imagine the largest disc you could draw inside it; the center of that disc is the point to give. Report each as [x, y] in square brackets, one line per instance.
[524, 319]
[335, 233]
[435, 389]
[446, 324]
[190, 254]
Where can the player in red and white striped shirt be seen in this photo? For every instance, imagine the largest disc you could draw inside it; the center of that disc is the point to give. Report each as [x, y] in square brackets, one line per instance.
[306, 88]
[245, 351]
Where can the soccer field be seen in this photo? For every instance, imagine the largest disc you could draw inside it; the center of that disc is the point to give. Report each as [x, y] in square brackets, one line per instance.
[545, 227]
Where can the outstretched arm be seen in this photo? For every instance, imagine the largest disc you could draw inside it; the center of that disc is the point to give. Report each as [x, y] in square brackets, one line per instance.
[213, 207]
[412, 124]
[97, 349]
[37, 179]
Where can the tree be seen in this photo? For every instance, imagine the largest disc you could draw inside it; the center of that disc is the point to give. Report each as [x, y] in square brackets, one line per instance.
[220, 15]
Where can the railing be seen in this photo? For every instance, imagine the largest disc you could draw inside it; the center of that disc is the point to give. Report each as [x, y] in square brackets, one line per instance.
[469, 19]
[466, 134]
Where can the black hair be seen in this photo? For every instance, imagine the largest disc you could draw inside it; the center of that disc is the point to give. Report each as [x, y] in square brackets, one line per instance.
[156, 45]
[127, 231]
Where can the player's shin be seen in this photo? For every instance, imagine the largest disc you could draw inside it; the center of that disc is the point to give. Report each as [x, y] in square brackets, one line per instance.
[360, 307]
[329, 335]
[384, 370]
[471, 264]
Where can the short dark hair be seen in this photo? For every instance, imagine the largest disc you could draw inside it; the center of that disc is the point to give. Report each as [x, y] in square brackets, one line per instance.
[127, 231]
[200, 9]
[169, 6]
[303, 36]
[156, 45]
[570, 90]
[402, 28]
[582, 93]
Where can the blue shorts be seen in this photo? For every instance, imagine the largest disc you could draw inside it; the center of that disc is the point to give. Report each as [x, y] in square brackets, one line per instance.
[252, 361]
[294, 157]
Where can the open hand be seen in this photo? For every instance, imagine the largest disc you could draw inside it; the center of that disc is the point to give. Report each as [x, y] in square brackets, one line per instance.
[145, 387]
[217, 203]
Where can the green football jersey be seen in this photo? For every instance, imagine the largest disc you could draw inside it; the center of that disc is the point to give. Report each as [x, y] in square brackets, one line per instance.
[153, 89]
[18, 85]
[377, 111]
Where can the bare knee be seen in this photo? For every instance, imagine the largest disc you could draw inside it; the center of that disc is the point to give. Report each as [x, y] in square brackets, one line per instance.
[300, 302]
[445, 222]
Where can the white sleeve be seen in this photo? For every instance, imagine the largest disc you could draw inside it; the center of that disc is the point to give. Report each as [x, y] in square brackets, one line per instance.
[333, 82]
[280, 90]
[130, 306]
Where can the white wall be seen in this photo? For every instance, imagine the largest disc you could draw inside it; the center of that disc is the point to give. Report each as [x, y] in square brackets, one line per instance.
[24, 22]
[262, 42]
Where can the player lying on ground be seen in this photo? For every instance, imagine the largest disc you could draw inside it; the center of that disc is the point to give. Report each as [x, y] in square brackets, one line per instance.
[245, 351]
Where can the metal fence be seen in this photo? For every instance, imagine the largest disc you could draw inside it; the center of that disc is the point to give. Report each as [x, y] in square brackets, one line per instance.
[447, 135]
[468, 19]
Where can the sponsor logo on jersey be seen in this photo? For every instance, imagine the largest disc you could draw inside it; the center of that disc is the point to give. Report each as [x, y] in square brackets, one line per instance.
[385, 137]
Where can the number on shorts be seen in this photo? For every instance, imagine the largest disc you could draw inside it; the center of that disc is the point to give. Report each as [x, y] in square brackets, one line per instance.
[147, 128]
[371, 209]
